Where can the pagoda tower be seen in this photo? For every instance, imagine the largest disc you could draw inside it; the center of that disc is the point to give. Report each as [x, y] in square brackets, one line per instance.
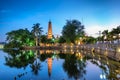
[49, 35]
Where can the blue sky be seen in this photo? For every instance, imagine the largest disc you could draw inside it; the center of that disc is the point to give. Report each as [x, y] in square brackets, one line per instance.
[96, 15]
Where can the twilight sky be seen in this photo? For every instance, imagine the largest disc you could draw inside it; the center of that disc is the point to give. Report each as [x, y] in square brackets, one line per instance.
[95, 15]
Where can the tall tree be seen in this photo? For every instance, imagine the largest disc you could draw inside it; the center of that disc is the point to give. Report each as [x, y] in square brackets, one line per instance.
[37, 31]
[72, 30]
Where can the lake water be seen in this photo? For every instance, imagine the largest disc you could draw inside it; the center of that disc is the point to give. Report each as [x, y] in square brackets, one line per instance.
[56, 65]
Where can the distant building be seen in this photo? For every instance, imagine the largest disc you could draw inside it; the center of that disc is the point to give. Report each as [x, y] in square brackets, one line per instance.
[49, 35]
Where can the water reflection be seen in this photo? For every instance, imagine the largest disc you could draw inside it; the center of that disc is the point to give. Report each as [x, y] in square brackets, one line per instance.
[18, 58]
[74, 63]
[74, 66]
[110, 70]
[49, 62]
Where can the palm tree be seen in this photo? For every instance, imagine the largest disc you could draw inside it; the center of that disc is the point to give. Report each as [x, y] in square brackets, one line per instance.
[115, 32]
[105, 35]
[37, 31]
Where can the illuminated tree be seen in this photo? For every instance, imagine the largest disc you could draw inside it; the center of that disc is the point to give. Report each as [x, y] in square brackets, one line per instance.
[19, 38]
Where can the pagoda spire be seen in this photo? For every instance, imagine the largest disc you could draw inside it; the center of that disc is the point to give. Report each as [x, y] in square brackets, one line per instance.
[49, 35]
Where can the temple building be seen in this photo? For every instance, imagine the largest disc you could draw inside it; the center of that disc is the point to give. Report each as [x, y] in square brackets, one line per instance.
[49, 35]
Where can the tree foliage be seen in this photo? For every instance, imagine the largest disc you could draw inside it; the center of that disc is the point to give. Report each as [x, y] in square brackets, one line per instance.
[90, 40]
[61, 40]
[72, 30]
[19, 38]
[108, 35]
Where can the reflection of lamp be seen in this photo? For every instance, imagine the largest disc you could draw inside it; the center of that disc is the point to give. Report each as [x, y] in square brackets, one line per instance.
[102, 76]
[106, 52]
[79, 56]
[65, 46]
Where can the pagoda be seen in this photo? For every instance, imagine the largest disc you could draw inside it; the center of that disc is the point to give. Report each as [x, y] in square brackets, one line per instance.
[49, 35]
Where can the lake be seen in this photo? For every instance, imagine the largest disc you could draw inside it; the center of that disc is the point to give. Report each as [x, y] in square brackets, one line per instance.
[56, 65]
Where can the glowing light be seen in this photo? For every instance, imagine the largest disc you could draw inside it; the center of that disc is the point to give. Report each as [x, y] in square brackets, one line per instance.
[92, 49]
[65, 50]
[53, 56]
[118, 50]
[102, 76]
[1, 46]
[107, 62]
[31, 53]
[81, 59]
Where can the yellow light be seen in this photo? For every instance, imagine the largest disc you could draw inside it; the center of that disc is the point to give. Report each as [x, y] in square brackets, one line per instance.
[92, 49]
[118, 50]
[65, 46]
[1, 46]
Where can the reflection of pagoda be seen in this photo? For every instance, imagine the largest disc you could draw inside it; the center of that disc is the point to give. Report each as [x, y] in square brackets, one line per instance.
[49, 61]
[49, 35]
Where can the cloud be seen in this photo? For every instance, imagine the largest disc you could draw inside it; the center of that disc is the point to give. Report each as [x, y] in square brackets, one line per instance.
[93, 30]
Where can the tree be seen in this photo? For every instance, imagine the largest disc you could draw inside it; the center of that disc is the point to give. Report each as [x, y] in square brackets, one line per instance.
[72, 30]
[37, 31]
[105, 32]
[61, 40]
[43, 38]
[90, 40]
[19, 38]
